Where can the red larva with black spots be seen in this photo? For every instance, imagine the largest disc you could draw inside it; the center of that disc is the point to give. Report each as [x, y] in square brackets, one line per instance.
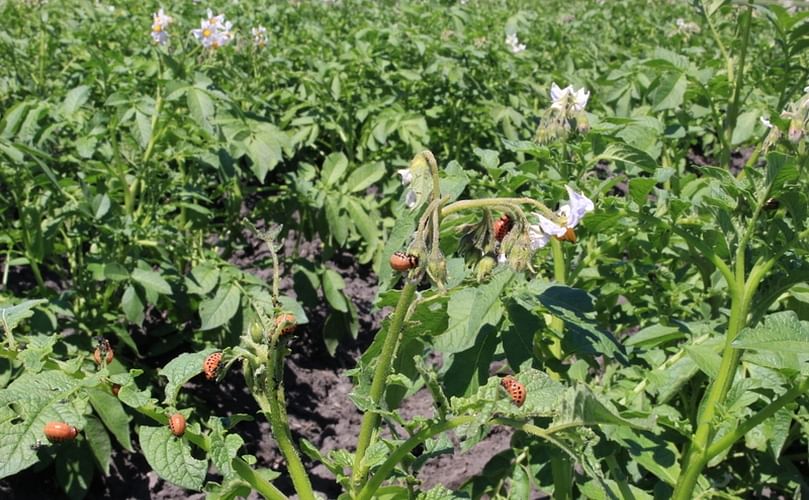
[60, 431]
[401, 261]
[502, 226]
[287, 323]
[515, 389]
[211, 365]
[177, 424]
[104, 348]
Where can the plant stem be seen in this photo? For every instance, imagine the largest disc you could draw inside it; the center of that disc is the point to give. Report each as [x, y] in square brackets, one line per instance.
[733, 108]
[272, 399]
[399, 454]
[696, 457]
[380, 377]
[737, 433]
[495, 202]
[560, 276]
[258, 483]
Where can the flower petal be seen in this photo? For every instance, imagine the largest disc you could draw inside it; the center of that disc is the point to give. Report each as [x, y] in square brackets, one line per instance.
[550, 227]
[577, 207]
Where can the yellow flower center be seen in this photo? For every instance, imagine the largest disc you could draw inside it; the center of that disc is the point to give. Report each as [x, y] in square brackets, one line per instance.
[206, 32]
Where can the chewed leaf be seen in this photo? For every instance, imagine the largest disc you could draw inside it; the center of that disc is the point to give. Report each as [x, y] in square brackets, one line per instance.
[181, 369]
[171, 458]
[541, 400]
[36, 399]
[581, 406]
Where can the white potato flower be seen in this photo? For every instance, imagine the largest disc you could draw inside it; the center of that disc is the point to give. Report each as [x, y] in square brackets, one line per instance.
[160, 22]
[514, 43]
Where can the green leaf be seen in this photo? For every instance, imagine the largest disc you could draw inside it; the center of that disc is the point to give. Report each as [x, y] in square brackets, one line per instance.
[706, 358]
[265, 147]
[338, 223]
[180, 370]
[100, 444]
[669, 92]
[74, 100]
[133, 306]
[218, 310]
[364, 176]
[639, 189]
[469, 309]
[780, 332]
[36, 398]
[74, 471]
[171, 458]
[112, 414]
[653, 336]
[580, 405]
[10, 316]
[333, 285]
[151, 280]
[745, 124]
[223, 448]
[334, 167]
[201, 107]
[203, 279]
[652, 452]
[518, 340]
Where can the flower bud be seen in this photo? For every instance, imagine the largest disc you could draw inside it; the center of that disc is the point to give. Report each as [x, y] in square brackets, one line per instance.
[485, 267]
[519, 258]
[437, 268]
[795, 130]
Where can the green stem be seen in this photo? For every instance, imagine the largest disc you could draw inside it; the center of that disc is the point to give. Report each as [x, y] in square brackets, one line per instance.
[768, 411]
[696, 458]
[258, 483]
[560, 276]
[495, 202]
[381, 372]
[401, 452]
[733, 108]
[272, 399]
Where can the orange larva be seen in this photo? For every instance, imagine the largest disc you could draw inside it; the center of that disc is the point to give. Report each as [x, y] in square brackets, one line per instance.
[104, 349]
[211, 365]
[287, 323]
[569, 235]
[502, 226]
[177, 424]
[514, 388]
[401, 261]
[59, 431]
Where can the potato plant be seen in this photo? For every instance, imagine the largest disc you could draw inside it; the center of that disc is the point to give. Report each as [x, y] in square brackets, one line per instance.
[586, 220]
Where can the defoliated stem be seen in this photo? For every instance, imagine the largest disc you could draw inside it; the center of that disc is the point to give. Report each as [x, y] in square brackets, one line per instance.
[380, 377]
[272, 399]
